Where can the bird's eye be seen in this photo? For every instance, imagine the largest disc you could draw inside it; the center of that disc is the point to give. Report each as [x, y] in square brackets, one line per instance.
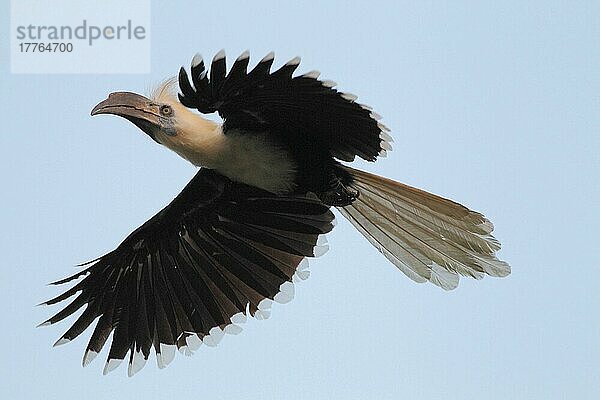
[166, 111]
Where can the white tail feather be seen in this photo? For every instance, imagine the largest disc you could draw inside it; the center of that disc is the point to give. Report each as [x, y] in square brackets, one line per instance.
[427, 237]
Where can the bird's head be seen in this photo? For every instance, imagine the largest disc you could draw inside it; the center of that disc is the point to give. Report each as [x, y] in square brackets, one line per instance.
[162, 116]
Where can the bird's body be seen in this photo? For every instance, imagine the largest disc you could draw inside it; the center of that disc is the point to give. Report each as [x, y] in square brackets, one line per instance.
[237, 236]
[251, 157]
[259, 155]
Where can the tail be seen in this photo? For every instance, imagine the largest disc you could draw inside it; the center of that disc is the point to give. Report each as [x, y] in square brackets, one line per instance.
[427, 237]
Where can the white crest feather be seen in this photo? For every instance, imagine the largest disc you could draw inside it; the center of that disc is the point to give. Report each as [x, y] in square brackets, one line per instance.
[165, 90]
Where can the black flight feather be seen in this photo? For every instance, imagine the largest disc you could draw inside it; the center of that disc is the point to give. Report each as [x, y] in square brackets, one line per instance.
[301, 108]
[219, 249]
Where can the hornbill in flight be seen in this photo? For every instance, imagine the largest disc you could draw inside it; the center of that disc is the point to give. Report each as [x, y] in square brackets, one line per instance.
[237, 237]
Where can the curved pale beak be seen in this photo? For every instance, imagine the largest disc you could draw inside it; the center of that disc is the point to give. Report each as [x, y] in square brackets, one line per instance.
[141, 111]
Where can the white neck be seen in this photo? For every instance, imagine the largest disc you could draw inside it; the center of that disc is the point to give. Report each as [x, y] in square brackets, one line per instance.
[252, 159]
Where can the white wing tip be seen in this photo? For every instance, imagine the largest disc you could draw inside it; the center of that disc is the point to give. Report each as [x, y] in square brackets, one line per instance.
[111, 365]
[312, 74]
[233, 329]
[214, 337]
[386, 145]
[302, 273]
[321, 250]
[88, 357]
[186, 351]
[166, 355]
[321, 247]
[270, 55]
[61, 341]
[286, 293]
[239, 318]
[382, 127]
[349, 96]
[265, 304]
[262, 314]
[219, 56]
[138, 362]
[294, 61]
[193, 342]
[244, 55]
[386, 137]
[375, 116]
[197, 60]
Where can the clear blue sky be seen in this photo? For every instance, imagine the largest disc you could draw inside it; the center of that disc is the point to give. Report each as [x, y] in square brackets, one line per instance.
[494, 105]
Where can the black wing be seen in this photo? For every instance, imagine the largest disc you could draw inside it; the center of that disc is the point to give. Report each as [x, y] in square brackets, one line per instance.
[186, 276]
[297, 107]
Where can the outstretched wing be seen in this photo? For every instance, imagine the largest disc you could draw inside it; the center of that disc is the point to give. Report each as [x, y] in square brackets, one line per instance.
[302, 108]
[219, 251]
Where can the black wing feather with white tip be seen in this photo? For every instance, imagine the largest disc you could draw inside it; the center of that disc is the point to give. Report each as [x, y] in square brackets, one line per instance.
[219, 251]
[300, 106]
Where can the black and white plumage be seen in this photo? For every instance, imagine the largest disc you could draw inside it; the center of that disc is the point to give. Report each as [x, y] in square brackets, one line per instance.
[301, 109]
[238, 234]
